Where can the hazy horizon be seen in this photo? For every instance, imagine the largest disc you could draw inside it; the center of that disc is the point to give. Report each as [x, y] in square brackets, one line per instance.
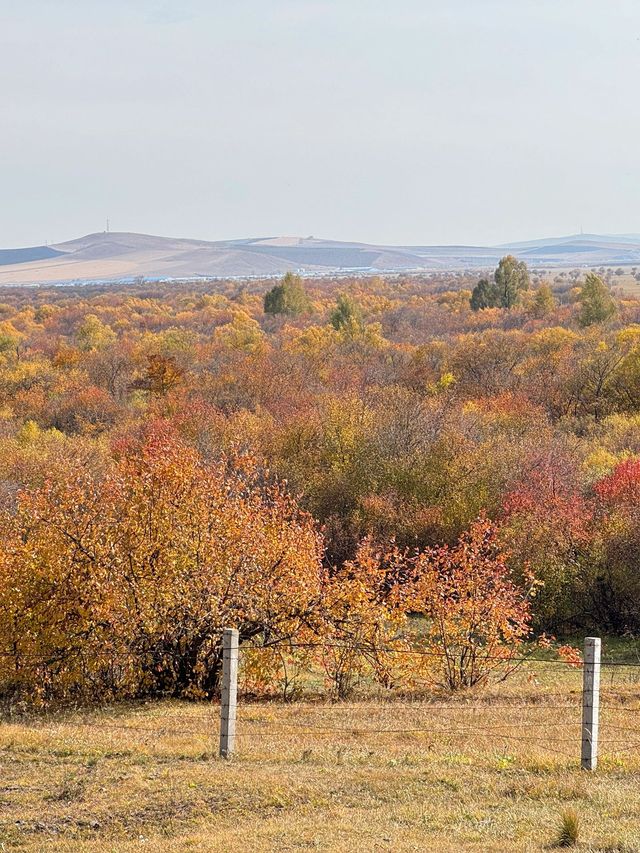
[417, 124]
[321, 237]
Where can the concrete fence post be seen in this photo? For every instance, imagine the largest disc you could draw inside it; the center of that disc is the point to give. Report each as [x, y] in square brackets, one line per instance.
[228, 705]
[590, 703]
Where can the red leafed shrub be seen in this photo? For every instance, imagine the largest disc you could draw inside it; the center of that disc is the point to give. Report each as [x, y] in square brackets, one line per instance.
[547, 526]
[622, 486]
[478, 616]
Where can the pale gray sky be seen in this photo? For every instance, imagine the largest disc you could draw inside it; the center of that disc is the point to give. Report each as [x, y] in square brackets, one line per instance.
[407, 121]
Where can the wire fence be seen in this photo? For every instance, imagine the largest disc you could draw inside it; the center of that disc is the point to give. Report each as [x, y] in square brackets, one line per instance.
[525, 720]
[427, 728]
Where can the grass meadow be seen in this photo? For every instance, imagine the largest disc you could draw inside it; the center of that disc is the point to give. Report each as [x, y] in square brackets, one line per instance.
[492, 771]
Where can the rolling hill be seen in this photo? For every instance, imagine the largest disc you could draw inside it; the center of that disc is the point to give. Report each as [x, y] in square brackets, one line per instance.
[121, 256]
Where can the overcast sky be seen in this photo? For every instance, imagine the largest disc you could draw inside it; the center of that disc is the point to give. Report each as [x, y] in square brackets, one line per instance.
[404, 121]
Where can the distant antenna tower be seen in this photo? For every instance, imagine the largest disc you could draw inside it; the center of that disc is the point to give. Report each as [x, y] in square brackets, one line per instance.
[107, 226]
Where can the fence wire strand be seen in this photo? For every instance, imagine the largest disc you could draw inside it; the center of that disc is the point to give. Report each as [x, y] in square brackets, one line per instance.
[432, 719]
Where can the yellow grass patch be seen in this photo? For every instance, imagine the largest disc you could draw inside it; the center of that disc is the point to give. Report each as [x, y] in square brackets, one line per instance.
[494, 772]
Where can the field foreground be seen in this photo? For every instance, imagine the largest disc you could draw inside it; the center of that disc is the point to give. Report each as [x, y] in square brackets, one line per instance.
[490, 773]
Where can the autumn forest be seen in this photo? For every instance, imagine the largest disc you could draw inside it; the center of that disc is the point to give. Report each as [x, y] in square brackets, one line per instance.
[346, 468]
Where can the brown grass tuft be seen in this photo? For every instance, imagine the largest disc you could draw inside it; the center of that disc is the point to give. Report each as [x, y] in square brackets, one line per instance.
[569, 828]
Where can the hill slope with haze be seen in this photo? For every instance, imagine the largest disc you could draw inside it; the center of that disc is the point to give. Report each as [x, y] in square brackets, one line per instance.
[122, 256]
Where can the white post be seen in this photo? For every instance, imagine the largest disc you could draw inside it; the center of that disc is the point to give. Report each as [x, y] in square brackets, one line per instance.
[590, 703]
[229, 691]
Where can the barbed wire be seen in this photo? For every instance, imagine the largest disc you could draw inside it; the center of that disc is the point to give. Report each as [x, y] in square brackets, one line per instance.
[60, 656]
[291, 729]
[372, 650]
[434, 709]
[485, 707]
[431, 730]
[498, 733]
[438, 719]
[307, 727]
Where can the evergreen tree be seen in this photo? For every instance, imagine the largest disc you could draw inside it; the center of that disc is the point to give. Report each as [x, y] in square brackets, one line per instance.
[347, 315]
[597, 303]
[511, 277]
[289, 297]
[485, 295]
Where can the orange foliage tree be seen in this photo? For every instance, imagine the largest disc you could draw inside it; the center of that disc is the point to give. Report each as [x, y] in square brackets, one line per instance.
[120, 585]
[364, 614]
[476, 616]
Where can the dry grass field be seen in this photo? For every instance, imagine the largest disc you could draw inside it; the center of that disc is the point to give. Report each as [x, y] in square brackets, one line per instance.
[626, 284]
[492, 772]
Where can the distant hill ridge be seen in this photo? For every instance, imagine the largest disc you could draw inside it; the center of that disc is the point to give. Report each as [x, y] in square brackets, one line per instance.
[22, 256]
[122, 255]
